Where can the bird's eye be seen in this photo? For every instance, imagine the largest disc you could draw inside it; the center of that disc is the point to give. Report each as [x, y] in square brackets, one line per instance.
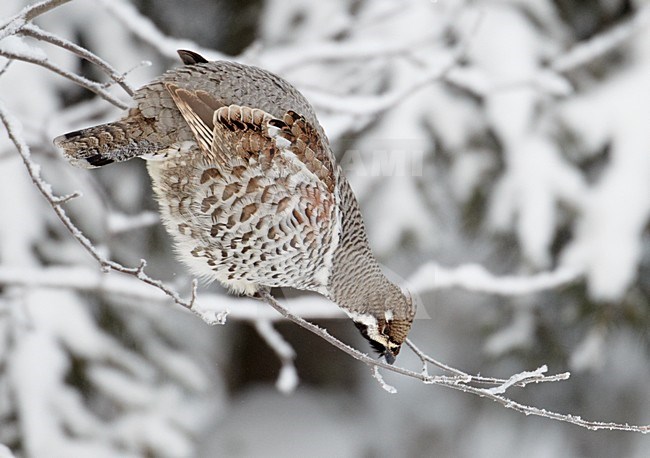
[385, 329]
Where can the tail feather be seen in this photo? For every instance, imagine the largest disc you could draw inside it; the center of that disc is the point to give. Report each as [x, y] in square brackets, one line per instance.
[104, 144]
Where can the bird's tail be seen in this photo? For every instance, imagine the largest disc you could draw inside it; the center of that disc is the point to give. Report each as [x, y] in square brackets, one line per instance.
[104, 144]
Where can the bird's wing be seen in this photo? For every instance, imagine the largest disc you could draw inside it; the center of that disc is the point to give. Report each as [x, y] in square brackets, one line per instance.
[197, 108]
[228, 132]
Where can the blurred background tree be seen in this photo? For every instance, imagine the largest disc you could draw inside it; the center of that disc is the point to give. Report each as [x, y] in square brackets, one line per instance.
[509, 135]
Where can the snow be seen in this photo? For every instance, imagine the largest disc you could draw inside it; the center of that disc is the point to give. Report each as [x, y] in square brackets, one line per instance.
[287, 379]
[38, 366]
[380, 379]
[19, 229]
[517, 378]
[502, 168]
[588, 354]
[118, 222]
[5, 452]
[473, 277]
[617, 208]
[299, 425]
[20, 47]
[516, 335]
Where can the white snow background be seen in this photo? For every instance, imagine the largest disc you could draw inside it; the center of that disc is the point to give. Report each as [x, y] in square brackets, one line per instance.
[501, 154]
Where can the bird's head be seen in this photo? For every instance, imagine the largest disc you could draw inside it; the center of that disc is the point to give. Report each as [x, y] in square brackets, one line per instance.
[386, 328]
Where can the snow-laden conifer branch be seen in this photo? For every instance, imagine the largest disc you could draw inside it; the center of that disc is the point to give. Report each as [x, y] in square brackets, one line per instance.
[473, 277]
[597, 46]
[470, 279]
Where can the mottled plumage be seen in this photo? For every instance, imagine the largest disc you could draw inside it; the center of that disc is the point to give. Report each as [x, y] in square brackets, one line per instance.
[250, 191]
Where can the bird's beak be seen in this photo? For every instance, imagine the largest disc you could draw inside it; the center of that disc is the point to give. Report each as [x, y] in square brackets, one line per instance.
[390, 358]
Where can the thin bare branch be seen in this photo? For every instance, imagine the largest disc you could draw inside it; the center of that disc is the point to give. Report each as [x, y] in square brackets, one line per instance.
[92, 86]
[13, 129]
[67, 198]
[14, 24]
[566, 418]
[457, 383]
[479, 379]
[5, 67]
[116, 77]
[33, 11]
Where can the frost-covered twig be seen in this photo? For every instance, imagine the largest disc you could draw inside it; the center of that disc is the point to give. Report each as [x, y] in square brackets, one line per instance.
[43, 61]
[520, 379]
[13, 128]
[14, 24]
[476, 278]
[356, 354]
[479, 379]
[20, 25]
[457, 383]
[40, 34]
[380, 379]
[33, 11]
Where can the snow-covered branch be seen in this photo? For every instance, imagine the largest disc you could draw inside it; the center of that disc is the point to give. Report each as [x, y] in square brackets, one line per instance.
[132, 293]
[13, 129]
[285, 60]
[5, 452]
[18, 52]
[597, 46]
[146, 30]
[34, 31]
[14, 24]
[288, 378]
[13, 48]
[473, 277]
[560, 169]
[376, 104]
